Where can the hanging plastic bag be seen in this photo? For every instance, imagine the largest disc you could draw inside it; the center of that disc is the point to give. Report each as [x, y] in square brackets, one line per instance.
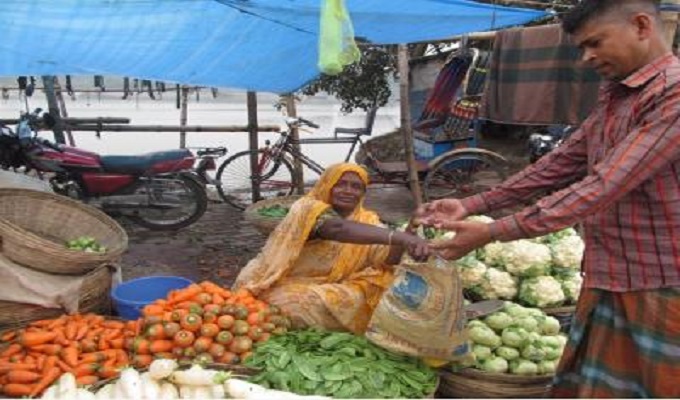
[336, 38]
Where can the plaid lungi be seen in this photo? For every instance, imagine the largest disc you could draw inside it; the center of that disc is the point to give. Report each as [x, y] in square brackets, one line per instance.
[622, 345]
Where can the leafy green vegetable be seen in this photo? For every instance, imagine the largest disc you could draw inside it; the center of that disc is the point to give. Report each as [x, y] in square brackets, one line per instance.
[341, 365]
[87, 244]
[275, 211]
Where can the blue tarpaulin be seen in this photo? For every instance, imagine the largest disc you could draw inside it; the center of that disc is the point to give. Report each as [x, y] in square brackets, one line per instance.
[262, 45]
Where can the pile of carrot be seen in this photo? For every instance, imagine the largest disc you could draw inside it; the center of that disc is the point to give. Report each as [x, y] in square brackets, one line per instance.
[87, 345]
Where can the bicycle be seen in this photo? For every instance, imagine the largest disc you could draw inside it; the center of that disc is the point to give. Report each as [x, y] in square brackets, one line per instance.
[448, 173]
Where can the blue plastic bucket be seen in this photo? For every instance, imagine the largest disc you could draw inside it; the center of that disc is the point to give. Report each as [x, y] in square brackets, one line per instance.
[130, 297]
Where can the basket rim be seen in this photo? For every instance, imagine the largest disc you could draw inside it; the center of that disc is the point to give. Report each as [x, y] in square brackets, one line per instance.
[289, 200]
[494, 377]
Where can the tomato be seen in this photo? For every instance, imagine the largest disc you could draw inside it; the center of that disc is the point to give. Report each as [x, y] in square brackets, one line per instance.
[241, 312]
[224, 337]
[202, 344]
[245, 356]
[196, 309]
[204, 358]
[264, 337]
[212, 308]
[166, 355]
[184, 338]
[177, 315]
[229, 309]
[209, 317]
[217, 350]
[255, 333]
[156, 331]
[190, 352]
[191, 322]
[255, 318]
[171, 329]
[229, 358]
[241, 344]
[203, 298]
[225, 321]
[268, 327]
[240, 328]
[178, 352]
[152, 320]
[210, 330]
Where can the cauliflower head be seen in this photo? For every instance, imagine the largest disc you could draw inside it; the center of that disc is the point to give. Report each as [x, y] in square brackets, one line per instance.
[492, 254]
[542, 291]
[524, 258]
[571, 285]
[497, 284]
[471, 271]
[567, 252]
[480, 218]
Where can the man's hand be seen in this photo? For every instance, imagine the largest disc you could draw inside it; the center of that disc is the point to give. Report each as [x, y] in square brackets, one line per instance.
[469, 236]
[440, 213]
[417, 247]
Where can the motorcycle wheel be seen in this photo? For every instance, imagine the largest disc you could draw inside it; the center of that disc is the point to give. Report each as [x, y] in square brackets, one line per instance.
[190, 193]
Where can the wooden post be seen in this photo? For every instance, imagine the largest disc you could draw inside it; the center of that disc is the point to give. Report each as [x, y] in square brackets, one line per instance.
[62, 108]
[53, 108]
[183, 115]
[670, 21]
[253, 142]
[406, 130]
[291, 110]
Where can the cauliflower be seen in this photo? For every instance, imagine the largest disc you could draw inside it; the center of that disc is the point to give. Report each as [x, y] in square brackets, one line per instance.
[480, 218]
[484, 336]
[550, 326]
[571, 282]
[524, 258]
[542, 291]
[481, 352]
[498, 321]
[509, 353]
[557, 236]
[514, 337]
[523, 367]
[471, 271]
[495, 364]
[568, 252]
[492, 254]
[497, 284]
[546, 367]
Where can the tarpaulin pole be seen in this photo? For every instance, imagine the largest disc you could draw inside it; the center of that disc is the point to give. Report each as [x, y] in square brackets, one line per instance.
[406, 130]
[253, 143]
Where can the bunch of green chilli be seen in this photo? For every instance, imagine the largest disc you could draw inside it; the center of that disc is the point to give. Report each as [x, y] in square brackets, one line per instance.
[275, 211]
[341, 365]
[87, 244]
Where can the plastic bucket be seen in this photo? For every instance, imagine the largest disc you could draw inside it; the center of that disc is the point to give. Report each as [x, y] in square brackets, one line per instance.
[130, 297]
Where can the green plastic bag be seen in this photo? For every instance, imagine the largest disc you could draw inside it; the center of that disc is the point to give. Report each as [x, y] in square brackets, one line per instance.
[336, 38]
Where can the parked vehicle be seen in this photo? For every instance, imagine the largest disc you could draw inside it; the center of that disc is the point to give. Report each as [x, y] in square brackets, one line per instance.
[156, 190]
[545, 140]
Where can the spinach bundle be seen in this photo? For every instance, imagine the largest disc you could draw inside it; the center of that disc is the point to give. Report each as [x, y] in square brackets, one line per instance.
[340, 365]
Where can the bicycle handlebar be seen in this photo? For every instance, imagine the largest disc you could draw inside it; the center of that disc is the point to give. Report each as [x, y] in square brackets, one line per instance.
[301, 121]
[309, 123]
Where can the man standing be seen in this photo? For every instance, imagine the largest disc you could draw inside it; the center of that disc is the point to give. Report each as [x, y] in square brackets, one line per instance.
[618, 175]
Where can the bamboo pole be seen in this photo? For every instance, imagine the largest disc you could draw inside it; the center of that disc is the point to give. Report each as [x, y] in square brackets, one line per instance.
[53, 108]
[171, 128]
[253, 142]
[406, 130]
[183, 115]
[291, 110]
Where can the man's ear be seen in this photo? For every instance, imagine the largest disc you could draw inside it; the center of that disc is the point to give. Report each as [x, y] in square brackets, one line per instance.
[644, 25]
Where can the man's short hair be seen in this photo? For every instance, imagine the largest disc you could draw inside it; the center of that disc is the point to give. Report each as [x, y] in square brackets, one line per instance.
[586, 10]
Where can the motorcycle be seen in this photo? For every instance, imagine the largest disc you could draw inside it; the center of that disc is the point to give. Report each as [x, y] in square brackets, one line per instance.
[546, 140]
[157, 190]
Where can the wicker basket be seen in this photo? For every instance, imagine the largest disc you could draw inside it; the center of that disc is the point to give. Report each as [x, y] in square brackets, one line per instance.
[35, 225]
[93, 297]
[563, 314]
[472, 383]
[263, 223]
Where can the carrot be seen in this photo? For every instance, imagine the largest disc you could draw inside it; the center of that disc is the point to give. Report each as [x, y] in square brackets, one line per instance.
[113, 324]
[71, 331]
[141, 346]
[64, 367]
[70, 356]
[60, 338]
[5, 367]
[142, 360]
[35, 338]
[88, 345]
[49, 349]
[43, 323]
[82, 331]
[7, 336]
[19, 376]
[106, 372]
[18, 389]
[96, 357]
[113, 334]
[50, 362]
[186, 293]
[11, 350]
[160, 346]
[103, 344]
[57, 323]
[40, 361]
[45, 381]
[116, 343]
[152, 309]
[218, 299]
[29, 359]
[85, 369]
[122, 358]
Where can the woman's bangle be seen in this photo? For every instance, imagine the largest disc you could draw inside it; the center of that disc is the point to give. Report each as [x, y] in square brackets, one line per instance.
[389, 237]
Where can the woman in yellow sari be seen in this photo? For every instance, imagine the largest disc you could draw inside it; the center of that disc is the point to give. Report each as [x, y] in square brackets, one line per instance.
[329, 261]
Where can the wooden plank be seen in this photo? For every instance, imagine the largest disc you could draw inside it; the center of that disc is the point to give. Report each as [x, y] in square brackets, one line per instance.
[406, 130]
[253, 141]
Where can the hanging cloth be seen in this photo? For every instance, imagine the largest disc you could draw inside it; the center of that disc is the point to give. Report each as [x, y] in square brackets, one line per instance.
[337, 47]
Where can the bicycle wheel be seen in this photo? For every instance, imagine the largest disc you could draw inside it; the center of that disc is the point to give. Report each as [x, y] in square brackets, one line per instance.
[236, 183]
[461, 175]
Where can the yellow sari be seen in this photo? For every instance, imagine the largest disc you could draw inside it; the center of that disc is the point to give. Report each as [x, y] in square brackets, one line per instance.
[320, 283]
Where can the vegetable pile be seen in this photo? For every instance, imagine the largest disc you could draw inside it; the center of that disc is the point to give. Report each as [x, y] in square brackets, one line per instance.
[340, 365]
[88, 346]
[206, 323]
[542, 272]
[515, 340]
[87, 244]
[275, 211]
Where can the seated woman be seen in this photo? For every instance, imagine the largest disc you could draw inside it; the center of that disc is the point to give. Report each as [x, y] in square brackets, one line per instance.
[329, 261]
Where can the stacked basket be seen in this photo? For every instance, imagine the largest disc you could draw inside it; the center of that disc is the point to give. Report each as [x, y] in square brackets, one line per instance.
[34, 227]
[472, 383]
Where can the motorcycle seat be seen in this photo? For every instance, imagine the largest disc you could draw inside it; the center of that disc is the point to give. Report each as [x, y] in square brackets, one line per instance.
[139, 164]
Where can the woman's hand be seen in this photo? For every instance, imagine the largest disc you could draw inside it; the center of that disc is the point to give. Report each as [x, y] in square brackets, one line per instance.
[417, 248]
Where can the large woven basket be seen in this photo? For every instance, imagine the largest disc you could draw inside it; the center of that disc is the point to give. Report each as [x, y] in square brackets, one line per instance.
[35, 226]
[263, 223]
[472, 383]
[93, 297]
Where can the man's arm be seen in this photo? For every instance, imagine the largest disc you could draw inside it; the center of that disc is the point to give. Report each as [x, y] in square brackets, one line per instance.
[648, 148]
[555, 170]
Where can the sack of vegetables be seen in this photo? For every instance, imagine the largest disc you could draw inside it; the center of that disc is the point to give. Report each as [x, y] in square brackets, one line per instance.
[265, 215]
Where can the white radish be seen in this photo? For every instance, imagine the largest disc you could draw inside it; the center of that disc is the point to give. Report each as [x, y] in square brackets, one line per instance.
[188, 392]
[130, 384]
[198, 376]
[66, 386]
[168, 392]
[107, 392]
[150, 389]
[162, 368]
[51, 393]
[203, 392]
[84, 394]
[240, 389]
[217, 392]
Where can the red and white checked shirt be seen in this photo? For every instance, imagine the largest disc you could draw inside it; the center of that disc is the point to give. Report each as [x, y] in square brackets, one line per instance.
[619, 175]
